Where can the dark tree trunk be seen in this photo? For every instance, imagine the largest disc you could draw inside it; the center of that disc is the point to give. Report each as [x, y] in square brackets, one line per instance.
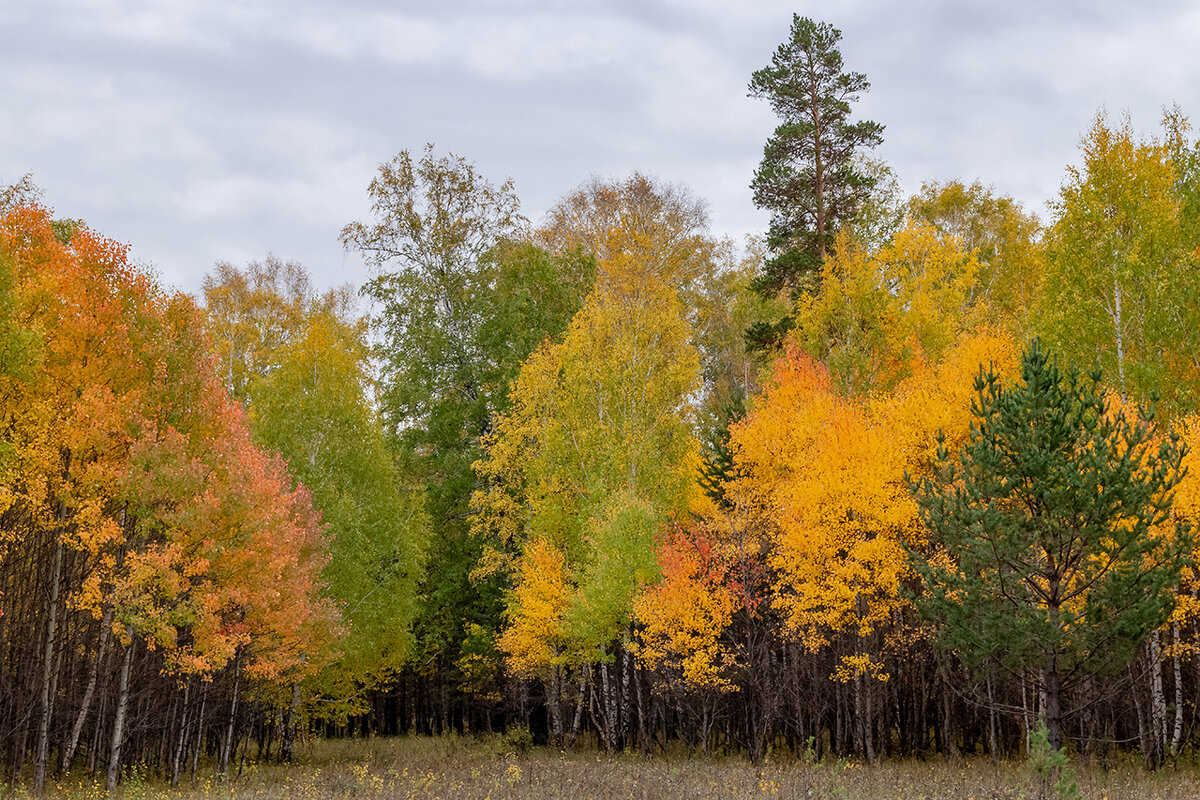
[1052, 709]
[290, 723]
[227, 746]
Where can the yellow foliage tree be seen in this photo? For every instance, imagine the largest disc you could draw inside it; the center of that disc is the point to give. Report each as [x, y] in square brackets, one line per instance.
[594, 455]
[1120, 286]
[596, 450]
[533, 639]
[1003, 237]
[827, 474]
[878, 312]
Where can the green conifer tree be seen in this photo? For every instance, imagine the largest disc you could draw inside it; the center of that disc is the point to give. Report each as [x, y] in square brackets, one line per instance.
[809, 178]
[1057, 555]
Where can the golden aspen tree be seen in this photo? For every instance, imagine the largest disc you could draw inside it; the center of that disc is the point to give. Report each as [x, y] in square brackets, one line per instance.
[1117, 281]
[684, 615]
[827, 474]
[594, 456]
[1005, 239]
[878, 312]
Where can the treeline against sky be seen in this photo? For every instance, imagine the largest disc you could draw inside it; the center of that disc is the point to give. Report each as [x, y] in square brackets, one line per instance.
[545, 485]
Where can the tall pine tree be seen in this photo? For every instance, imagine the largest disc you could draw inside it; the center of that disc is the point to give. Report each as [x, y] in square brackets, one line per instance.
[809, 178]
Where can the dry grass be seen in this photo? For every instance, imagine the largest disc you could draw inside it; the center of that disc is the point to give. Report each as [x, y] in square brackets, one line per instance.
[387, 769]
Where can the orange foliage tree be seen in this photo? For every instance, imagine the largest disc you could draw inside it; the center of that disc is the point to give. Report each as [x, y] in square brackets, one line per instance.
[824, 474]
[133, 496]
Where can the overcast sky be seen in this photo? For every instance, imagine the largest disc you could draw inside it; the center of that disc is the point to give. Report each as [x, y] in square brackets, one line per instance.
[206, 130]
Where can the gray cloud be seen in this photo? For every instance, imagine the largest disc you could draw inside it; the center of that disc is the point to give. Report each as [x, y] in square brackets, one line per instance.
[200, 130]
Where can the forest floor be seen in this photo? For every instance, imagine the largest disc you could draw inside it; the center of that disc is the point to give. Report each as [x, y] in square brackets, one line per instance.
[466, 769]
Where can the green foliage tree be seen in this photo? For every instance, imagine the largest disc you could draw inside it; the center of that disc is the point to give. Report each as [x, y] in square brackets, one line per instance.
[809, 178]
[22, 193]
[664, 226]
[878, 312]
[18, 350]
[1184, 317]
[314, 407]
[721, 309]
[717, 468]
[462, 298]
[1054, 550]
[1184, 152]
[18, 347]
[254, 310]
[1121, 280]
[460, 306]
[594, 455]
[882, 212]
[300, 362]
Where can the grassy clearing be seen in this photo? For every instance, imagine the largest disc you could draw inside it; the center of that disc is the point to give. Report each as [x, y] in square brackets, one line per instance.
[388, 769]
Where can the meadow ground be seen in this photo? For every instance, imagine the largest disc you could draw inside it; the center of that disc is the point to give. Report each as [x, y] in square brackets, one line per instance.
[464, 769]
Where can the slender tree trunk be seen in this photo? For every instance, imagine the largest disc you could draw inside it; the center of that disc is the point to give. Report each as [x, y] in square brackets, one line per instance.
[412, 720]
[638, 689]
[554, 704]
[857, 723]
[18, 754]
[609, 698]
[1158, 699]
[272, 729]
[949, 729]
[922, 725]
[445, 704]
[865, 724]
[626, 696]
[819, 168]
[1144, 736]
[199, 732]
[101, 715]
[62, 638]
[245, 739]
[839, 736]
[584, 672]
[1119, 332]
[47, 698]
[118, 734]
[1177, 669]
[291, 722]
[1025, 714]
[184, 730]
[227, 747]
[991, 720]
[85, 705]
